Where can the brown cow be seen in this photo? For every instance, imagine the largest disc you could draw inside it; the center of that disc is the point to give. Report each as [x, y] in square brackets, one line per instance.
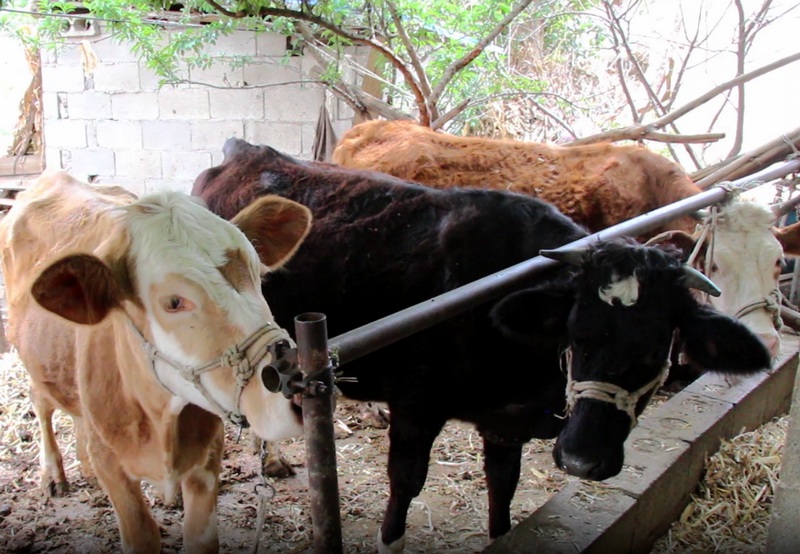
[145, 320]
[597, 185]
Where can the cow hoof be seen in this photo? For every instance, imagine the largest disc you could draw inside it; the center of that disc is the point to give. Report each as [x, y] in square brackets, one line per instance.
[279, 469]
[57, 489]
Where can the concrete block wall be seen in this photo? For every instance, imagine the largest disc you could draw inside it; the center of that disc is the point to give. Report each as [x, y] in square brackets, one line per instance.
[113, 124]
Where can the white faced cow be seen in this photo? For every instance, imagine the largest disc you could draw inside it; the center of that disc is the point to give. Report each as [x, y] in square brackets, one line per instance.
[738, 249]
[145, 320]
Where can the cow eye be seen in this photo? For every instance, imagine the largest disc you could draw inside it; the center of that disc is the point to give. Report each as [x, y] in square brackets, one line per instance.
[173, 304]
[714, 268]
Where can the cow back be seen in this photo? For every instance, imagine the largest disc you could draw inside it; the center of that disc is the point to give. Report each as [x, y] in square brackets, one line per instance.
[597, 185]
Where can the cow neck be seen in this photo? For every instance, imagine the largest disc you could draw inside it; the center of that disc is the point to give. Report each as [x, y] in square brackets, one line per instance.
[623, 399]
[238, 358]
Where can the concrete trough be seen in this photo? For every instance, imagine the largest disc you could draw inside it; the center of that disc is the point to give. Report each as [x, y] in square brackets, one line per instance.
[664, 460]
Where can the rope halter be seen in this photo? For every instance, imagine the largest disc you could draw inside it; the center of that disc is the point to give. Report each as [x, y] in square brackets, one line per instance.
[242, 359]
[624, 400]
[771, 304]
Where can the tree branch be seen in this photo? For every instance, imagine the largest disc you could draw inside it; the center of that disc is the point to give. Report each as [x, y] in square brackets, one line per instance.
[416, 63]
[460, 64]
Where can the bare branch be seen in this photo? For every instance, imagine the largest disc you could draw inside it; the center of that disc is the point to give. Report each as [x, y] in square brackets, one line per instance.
[646, 132]
[754, 160]
[416, 63]
[686, 108]
[741, 40]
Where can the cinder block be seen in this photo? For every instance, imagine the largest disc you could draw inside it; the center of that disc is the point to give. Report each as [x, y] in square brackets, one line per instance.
[270, 73]
[289, 104]
[117, 77]
[89, 105]
[183, 103]
[237, 104]
[308, 132]
[65, 133]
[211, 135]
[166, 135]
[134, 105]
[84, 162]
[142, 164]
[62, 78]
[150, 81]
[110, 50]
[69, 53]
[280, 136]
[134, 185]
[52, 157]
[119, 134]
[238, 43]
[270, 44]
[184, 166]
[159, 185]
[50, 105]
[221, 74]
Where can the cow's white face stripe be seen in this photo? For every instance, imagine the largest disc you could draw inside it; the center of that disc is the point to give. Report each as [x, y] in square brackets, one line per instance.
[178, 248]
[625, 290]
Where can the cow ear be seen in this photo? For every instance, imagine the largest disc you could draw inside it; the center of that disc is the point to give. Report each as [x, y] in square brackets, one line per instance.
[80, 288]
[276, 227]
[714, 341]
[531, 315]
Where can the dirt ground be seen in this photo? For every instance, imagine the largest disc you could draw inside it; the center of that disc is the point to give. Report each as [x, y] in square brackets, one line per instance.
[450, 515]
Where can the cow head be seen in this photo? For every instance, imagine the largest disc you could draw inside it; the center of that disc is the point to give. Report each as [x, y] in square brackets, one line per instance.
[616, 317]
[183, 289]
[738, 249]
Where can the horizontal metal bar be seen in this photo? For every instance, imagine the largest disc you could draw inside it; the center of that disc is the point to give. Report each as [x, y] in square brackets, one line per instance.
[373, 336]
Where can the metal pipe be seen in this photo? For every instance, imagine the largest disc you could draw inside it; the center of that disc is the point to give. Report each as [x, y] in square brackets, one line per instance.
[373, 336]
[312, 355]
[365, 339]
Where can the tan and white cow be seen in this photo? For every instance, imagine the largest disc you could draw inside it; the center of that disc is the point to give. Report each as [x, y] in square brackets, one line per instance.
[145, 320]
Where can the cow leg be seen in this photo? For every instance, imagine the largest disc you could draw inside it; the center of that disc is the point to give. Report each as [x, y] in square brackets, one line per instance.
[273, 464]
[81, 451]
[410, 442]
[53, 478]
[502, 467]
[139, 532]
[200, 490]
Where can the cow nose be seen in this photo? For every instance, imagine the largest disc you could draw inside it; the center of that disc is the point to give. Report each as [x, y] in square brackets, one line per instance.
[772, 341]
[578, 466]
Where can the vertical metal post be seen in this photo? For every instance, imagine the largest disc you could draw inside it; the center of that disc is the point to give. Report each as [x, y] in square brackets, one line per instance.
[312, 355]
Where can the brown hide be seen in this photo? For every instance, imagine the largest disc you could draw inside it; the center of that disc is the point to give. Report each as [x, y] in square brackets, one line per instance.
[789, 237]
[598, 185]
[98, 373]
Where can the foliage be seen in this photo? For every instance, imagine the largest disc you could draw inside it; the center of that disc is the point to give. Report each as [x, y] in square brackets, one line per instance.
[439, 32]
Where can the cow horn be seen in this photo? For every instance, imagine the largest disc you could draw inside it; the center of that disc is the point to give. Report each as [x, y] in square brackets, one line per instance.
[573, 256]
[700, 215]
[696, 280]
[781, 209]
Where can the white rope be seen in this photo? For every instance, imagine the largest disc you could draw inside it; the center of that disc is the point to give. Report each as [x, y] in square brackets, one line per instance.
[623, 399]
[236, 358]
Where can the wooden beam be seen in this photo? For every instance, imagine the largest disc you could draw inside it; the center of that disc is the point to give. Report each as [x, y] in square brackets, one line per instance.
[21, 165]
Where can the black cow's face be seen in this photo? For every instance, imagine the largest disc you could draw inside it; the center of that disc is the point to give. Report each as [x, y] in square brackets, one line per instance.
[626, 302]
[620, 331]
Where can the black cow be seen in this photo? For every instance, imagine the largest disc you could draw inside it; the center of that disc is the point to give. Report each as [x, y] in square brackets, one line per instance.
[379, 244]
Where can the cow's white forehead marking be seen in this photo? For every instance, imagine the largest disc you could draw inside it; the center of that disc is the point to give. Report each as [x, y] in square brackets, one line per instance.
[173, 234]
[626, 290]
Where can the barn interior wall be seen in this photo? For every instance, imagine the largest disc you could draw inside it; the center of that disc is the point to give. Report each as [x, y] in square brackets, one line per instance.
[106, 119]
